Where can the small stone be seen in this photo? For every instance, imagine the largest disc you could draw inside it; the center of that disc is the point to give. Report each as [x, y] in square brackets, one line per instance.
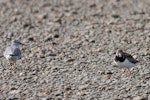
[5, 86]
[135, 56]
[13, 88]
[115, 16]
[42, 16]
[92, 40]
[25, 25]
[66, 94]
[108, 76]
[44, 99]
[69, 16]
[70, 60]
[74, 12]
[14, 92]
[10, 35]
[81, 93]
[108, 72]
[21, 74]
[41, 52]
[149, 97]
[36, 78]
[140, 98]
[97, 50]
[17, 12]
[90, 26]
[46, 91]
[5, 74]
[31, 39]
[48, 39]
[52, 54]
[134, 41]
[13, 98]
[147, 77]
[57, 20]
[93, 5]
[101, 72]
[58, 93]
[13, 19]
[67, 88]
[82, 87]
[56, 36]
[148, 51]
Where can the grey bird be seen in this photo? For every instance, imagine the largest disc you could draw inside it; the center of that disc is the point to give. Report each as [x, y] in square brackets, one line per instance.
[12, 53]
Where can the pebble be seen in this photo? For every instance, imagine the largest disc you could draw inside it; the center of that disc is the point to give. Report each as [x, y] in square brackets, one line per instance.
[14, 91]
[57, 20]
[82, 87]
[31, 39]
[10, 35]
[109, 72]
[140, 98]
[42, 16]
[67, 94]
[48, 39]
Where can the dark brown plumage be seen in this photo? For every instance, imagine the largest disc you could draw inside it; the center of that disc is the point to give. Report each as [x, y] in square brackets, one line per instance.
[125, 60]
[128, 56]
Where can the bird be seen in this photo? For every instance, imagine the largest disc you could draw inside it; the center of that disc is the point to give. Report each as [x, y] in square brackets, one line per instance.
[125, 60]
[12, 53]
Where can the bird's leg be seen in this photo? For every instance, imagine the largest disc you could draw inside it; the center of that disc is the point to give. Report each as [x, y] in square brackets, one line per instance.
[122, 72]
[129, 71]
[12, 64]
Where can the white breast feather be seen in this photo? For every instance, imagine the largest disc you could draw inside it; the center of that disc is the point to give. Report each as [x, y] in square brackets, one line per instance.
[125, 64]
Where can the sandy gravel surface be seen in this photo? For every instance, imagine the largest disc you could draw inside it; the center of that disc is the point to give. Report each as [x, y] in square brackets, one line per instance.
[70, 47]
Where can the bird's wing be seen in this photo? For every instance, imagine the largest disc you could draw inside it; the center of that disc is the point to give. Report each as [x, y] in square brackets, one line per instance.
[130, 58]
[12, 51]
[16, 52]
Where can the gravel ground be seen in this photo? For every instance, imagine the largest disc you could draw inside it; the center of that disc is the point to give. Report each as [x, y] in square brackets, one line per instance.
[70, 49]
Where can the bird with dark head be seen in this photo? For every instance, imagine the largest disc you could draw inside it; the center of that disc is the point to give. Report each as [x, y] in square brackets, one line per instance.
[124, 60]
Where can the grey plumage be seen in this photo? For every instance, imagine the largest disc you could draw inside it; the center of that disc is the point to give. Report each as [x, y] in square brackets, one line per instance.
[12, 52]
